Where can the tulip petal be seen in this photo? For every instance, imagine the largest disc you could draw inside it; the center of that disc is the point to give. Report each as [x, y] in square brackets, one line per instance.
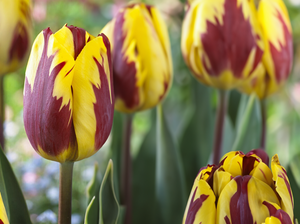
[142, 74]
[277, 32]
[93, 97]
[279, 215]
[3, 215]
[48, 99]
[201, 207]
[283, 187]
[221, 179]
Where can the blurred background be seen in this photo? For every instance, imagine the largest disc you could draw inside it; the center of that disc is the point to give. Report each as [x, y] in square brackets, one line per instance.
[39, 177]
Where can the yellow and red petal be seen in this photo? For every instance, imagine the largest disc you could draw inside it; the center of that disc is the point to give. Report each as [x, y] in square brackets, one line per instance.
[216, 48]
[276, 215]
[283, 187]
[3, 215]
[141, 55]
[15, 34]
[201, 207]
[48, 98]
[93, 96]
[277, 35]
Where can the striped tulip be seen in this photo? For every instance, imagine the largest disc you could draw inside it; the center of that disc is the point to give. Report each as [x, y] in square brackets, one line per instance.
[15, 33]
[278, 55]
[68, 94]
[3, 215]
[141, 54]
[221, 42]
[241, 189]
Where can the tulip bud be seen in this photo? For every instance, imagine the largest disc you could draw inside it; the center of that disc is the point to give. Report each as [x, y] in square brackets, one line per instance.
[3, 215]
[68, 94]
[15, 33]
[142, 65]
[241, 189]
[221, 42]
[278, 55]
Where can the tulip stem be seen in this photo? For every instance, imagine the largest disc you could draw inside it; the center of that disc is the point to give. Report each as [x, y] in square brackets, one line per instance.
[263, 124]
[65, 193]
[2, 112]
[126, 169]
[220, 117]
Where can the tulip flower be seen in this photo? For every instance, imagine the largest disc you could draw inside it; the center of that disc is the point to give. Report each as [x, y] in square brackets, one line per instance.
[278, 54]
[68, 94]
[3, 215]
[141, 54]
[222, 42]
[15, 33]
[241, 189]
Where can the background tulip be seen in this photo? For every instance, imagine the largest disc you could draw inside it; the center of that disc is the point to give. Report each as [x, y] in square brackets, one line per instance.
[15, 33]
[142, 57]
[68, 94]
[241, 189]
[278, 54]
[221, 42]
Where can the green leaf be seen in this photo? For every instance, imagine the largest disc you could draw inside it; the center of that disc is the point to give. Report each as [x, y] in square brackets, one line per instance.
[296, 193]
[295, 168]
[108, 204]
[248, 132]
[12, 195]
[170, 188]
[92, 211]
[196, 141]
[143, 181]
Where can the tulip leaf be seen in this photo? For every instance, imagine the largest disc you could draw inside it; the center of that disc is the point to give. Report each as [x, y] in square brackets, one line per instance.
[170, 188]
[144, 188]
[295, 168]
[196, 140]
[12, 195]
[108, 204]
[296, 192]
[92, 211]
[248, 131]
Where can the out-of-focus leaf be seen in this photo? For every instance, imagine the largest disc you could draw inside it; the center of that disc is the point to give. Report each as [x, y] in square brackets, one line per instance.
[243, 124]
[197, 138]
[233, 106]
[143, 181]
[295, 168]
[228, 136]
[12, 195]
[93, 187]
[108, 204]
[249, 134]
[170, 189]
[116, 148]
[296, 193]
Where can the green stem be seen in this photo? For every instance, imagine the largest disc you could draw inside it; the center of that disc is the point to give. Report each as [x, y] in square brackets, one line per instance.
[65, 193]
[263, 124]
[2, 114]
[220, 117]
[126, 198]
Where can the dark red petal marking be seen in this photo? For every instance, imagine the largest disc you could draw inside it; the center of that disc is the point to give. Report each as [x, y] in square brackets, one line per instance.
[227, 220]
[261, 154]
[283, 58]
[229, 45]
[280, 214]
[104, 108]
[78, 39]
[1, 222]
[45, 124]
[248, 164]
[124, 73]
[19, 44]
[194, 207]
[239, 206]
